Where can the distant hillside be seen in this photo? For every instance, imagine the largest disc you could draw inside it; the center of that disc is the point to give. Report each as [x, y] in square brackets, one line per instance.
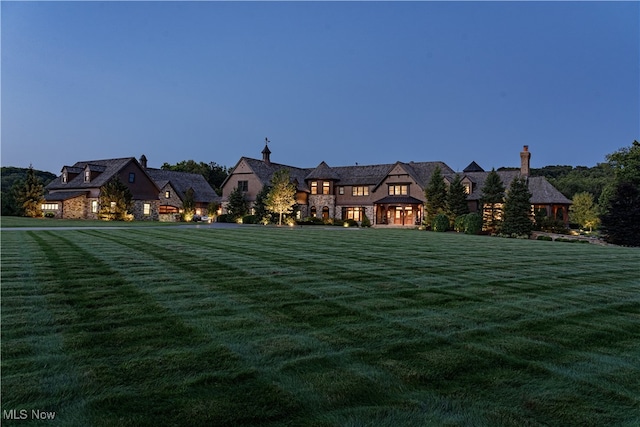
[12, 175]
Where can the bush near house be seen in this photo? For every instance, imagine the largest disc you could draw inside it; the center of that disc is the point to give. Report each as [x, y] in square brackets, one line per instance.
[440, 223]
[472, 223]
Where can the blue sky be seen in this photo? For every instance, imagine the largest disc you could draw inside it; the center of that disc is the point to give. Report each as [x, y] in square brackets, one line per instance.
[343, 82]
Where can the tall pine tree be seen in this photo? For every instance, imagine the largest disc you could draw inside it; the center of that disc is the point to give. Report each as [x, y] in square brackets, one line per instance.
[621, 223]
[492, 199]
[30, 195]
[237, 206]
[436, 195]
[457, 199]
[517, 209]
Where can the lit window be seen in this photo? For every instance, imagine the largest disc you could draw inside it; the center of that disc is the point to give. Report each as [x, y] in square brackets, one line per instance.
[49, 206]
[360, 191]
[352, 213]
[243, 186]
[87, 175]
[146, 209]
[64, 177]
[341, 190]
[167, 194]
[314, 212]
[398, 190]
[314, 187]
[113, 205]
[325, 187]
[467, 188]
[94, 206]
[132, 177]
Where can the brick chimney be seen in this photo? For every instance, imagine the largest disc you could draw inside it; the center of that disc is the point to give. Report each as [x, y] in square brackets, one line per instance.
[266, 152]
[143, 161]
[525, 161]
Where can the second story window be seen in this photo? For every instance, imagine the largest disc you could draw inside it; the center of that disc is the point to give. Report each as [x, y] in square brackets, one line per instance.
[167, 194]
[360, 191]
[326, 187]
[243, 186]
[87, 175]
[398, 190]
[64, 177]
[132, 177]
[314, 187]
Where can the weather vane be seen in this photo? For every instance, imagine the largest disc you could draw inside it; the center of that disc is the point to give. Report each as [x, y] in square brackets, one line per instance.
[266, 141]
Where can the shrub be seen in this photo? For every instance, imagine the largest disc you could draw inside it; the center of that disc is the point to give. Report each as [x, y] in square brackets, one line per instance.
[225, 218]
[546, 238]
[349, 223]
[311, 220]
[440, 223]
[365, 221]
[458, 224]
[250, 219]
[49, 215]
[472, 223]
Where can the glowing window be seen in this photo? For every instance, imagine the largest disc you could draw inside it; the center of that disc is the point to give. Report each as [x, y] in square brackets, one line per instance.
[314, 187]
[398, 190]
[146, 209]
[360, 191]
[326, 187]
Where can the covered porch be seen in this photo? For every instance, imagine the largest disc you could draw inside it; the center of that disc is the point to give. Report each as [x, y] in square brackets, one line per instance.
[398, 211]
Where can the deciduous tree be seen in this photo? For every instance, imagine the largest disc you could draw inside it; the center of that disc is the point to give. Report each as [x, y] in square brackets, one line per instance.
[282, 196]
[583, 211]
[621, 224]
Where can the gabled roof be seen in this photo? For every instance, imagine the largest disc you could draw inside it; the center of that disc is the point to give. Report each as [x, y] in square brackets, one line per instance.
[473, 167]
[182, 181]
[108, 168]
[64, 195]
[323, 171]
[264, 171]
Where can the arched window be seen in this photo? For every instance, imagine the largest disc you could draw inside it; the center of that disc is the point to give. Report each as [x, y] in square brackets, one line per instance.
[314, 212]
[325, 212]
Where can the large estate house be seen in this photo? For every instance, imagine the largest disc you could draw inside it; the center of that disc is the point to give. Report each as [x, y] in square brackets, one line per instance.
[390, 194]
[157, 194]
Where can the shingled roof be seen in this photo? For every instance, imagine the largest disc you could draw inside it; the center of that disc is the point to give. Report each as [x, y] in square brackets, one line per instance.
[182, 181]
[108, 168]
[264, 171]
[542, 192]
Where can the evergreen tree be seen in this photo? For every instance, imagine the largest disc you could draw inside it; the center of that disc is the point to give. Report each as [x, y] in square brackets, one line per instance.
[237, 206]
[30, 195]
[189, 204]
[115, 200]
[517, 209]
[492, 199]
[436, 195]
[259, 205]
[457, 199]
[282, 195]
[583, 211]
[621, 224]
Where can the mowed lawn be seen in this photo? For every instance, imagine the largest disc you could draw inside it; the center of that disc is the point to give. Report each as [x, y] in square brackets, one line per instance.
[317, 327]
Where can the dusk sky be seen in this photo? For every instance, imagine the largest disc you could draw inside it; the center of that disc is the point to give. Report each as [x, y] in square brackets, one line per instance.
[343, 82]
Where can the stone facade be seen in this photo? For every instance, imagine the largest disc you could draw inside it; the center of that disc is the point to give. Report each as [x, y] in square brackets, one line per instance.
[319, 201]
[75, 208]
[138, 210]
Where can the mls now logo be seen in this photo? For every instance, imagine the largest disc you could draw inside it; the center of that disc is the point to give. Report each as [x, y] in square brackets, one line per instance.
[23, 414]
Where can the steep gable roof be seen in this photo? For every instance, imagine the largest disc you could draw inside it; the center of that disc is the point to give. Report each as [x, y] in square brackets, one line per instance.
[182, 181]
[264, 171]
[473, 167]
[323, 171]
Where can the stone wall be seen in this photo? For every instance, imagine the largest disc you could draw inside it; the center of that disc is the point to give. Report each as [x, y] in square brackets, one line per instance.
[322, 200]
[75, 208]
[138, 210]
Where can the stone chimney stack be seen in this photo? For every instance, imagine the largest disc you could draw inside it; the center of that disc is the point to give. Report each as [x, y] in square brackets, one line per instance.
[143, 161]
[266, 152]
[525, 162]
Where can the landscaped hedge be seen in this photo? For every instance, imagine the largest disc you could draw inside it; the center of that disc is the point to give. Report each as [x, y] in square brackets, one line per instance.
[440, 223]
[472, 223]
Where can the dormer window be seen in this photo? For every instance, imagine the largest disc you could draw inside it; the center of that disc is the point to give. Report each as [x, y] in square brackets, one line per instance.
[87, 175]
[64, 177]
[467, 187]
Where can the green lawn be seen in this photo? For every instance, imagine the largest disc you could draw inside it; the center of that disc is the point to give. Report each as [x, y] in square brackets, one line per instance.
[17, 221]
[317, 327]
